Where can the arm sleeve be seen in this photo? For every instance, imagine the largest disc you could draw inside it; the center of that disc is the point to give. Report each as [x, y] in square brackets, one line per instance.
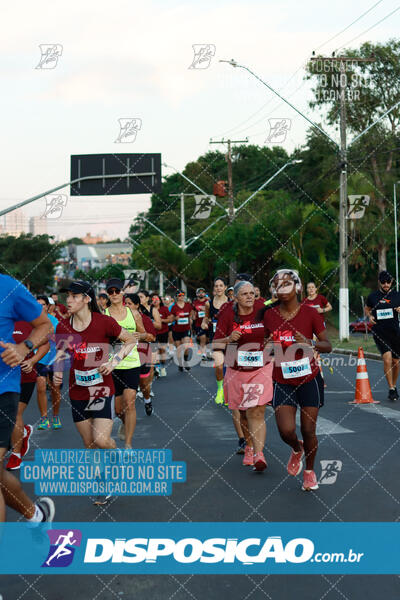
[318, 323]
[113, 329]
[222, 330]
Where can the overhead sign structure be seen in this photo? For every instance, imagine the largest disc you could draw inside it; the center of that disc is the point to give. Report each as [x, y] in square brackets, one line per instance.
[142, 174]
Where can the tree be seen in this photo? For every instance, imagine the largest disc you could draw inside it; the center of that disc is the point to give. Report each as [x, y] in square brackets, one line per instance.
[30, 259]
[371, 89]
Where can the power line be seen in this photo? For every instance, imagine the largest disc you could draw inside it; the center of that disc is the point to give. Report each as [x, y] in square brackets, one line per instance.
[369, 29]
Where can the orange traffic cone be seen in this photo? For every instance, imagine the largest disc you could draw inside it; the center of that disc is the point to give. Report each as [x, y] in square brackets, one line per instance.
[363, 388]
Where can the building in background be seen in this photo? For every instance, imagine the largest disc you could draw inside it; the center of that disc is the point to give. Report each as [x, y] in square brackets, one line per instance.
[92, 256]
[37, 226]
[15, 223]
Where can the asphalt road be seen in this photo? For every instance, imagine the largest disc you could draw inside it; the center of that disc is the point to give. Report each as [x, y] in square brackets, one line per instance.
[363, 440]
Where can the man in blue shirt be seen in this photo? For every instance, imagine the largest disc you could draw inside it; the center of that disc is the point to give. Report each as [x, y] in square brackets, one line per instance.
[17, 304]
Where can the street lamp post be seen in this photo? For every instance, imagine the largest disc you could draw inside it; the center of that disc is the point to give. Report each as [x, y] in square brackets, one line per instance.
[395, 234]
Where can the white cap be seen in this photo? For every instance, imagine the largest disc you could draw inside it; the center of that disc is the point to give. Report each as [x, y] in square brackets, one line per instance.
[51, 301]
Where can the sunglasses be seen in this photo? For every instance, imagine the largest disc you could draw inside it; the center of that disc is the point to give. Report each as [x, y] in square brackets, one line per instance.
[113, 291]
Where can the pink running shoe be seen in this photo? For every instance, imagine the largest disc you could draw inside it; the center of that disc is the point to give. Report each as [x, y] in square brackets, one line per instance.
[295, 463]
[259, 462]
[25, 442]
[309, 481]
[248, 458]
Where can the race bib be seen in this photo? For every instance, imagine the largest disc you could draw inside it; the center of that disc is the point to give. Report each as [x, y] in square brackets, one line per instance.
[201, 314]
[88, 378]
[384, 313]
[296, 368]
[250, 359]
[183, 321]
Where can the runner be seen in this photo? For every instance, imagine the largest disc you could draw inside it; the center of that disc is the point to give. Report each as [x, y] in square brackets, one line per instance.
[103, 302]
[145, 353]
[17, 304]
[60, 309]
[382, 308]
[258, 294]
[168, 301]
[229, 294]
[86, 335]
[127, 373]
[291, 326]
[162, 333]
[316, 300]
[181, 317]
[44, 370]
[198, 314]
[248, 380]
[22, 433]
[210, 323]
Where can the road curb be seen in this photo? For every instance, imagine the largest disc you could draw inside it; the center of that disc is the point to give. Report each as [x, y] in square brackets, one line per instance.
[373, 355]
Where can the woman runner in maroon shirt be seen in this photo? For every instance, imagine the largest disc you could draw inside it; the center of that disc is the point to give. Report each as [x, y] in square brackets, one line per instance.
[297, 380]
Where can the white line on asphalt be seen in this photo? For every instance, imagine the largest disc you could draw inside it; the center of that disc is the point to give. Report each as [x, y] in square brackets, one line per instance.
[387, 413]
[326, 426]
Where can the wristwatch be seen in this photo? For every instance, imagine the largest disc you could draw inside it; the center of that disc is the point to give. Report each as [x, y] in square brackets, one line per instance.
[29, 345]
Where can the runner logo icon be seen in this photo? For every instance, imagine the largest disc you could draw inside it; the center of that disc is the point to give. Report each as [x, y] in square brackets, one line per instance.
[330, 471]
[62, 547]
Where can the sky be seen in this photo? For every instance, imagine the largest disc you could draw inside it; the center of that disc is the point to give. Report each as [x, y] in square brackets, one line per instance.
[129, 59]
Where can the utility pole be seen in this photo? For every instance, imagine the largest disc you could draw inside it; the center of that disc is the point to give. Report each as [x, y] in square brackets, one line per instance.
[231, 206]
[183, 229]
[343, 235]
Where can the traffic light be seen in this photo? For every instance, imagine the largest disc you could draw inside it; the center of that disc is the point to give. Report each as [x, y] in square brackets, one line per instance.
[220, 189]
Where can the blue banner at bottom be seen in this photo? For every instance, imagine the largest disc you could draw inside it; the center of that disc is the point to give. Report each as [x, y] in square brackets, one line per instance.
[200, 548]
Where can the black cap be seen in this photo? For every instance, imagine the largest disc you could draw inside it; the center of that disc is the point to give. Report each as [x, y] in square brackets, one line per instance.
[385, 277]
[244, 277]
[79, 287]
[114, 283]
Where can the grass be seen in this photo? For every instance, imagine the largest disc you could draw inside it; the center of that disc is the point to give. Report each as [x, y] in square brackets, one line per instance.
[355, 341]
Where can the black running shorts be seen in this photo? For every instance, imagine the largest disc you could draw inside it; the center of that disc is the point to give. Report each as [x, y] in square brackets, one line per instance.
[125, 379]
[8, 414]
[162, 338]
[307, 394]
[388, 343]
[179, 335]
[94, 408]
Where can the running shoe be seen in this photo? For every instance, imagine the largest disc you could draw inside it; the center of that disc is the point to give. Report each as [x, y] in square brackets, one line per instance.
[139, 394]
[25, 442]
[46, 505]
[309, 481]
[121, 431]
[163, 372]
[259, 462]
[156, 372]
[148, 408]
[393, 395]
[248, 458]
[204, 356]
[295, 463]
[56, 422]
[187, 368]
[101, 500]
[181, 369]
[219, 398]
[151, 394]
[44, 423]
[14, 462]
[241, 446]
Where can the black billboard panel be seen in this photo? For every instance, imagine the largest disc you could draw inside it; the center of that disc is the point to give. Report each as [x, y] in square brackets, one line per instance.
[142, 174]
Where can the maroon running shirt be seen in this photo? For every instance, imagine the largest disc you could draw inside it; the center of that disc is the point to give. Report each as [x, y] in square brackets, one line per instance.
[88, 349]
[248, 352]
[182, 322]
[293, 368]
